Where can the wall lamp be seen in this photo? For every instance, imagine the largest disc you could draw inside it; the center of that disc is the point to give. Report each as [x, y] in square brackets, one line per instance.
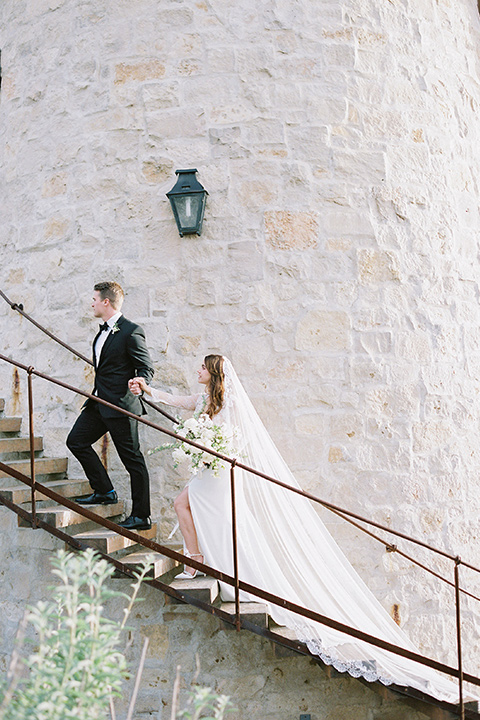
[188, 198]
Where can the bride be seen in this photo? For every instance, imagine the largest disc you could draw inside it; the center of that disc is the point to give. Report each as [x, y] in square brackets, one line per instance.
[283, 546]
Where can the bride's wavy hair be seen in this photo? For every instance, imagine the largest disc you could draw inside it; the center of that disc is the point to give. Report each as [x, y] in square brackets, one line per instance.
[216, 386]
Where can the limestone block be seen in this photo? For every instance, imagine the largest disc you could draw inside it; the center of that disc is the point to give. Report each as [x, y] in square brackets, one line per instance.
[141, 71]
[158, 640]
[56, 228]
[307, 143]
[394, 402]
[376, 266]
[415, 346]
[227, 142]
[374, 342]
[55, 185]
[287, 230]
[337, 453]
[245, 261]
[221, 60]
[157, 171]
[344, 222]
[323, 330]
[339, 55]
[202, 292]
[256, 194]
[158, 96]
[431, 435]
[346, 426]
[172, 123]
[360, 167]
[189, 66]
[263, 131]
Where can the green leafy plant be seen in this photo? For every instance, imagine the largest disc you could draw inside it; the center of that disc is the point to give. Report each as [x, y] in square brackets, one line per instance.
[202, 700]
[77, 667]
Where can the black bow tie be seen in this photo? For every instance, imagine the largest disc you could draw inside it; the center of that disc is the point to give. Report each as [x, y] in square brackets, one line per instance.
[104, 326]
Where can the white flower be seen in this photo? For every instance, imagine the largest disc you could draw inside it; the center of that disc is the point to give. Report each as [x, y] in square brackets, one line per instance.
[179, 455]
[203, 430]
[191, 424]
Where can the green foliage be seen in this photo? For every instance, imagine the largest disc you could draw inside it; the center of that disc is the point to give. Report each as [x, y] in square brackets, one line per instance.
[77, 666]
[204, 700]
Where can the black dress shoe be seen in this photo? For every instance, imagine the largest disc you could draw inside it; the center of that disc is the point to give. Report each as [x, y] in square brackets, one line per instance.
[136, 523]
[98, 499]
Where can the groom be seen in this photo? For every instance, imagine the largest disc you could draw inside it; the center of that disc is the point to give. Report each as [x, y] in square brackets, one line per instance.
[119, 354]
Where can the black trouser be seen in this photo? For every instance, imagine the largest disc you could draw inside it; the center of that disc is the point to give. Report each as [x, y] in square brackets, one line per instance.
[90, 427]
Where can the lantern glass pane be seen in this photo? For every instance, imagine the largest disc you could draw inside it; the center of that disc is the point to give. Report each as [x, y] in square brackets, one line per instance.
[188, 209]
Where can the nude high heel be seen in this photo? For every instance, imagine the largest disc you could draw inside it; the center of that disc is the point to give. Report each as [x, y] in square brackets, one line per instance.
[196, 573]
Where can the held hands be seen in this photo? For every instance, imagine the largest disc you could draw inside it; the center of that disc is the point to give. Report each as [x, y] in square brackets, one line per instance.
[138, 385]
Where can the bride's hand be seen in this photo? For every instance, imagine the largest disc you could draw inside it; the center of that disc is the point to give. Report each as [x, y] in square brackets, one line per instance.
[138, 385]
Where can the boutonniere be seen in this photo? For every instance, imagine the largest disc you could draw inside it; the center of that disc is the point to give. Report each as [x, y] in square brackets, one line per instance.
[114, 329]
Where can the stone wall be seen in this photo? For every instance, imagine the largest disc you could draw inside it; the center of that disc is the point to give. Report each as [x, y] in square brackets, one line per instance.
[262, 683]
[338, 266]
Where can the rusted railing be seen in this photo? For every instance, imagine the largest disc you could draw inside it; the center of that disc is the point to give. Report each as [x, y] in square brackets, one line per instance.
[235, 581]
[19, 308]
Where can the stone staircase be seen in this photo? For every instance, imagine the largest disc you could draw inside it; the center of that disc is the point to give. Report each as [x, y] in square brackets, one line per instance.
[52, 472]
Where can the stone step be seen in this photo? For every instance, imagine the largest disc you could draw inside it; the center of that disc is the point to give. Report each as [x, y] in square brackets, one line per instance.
[257, 613]
[280, 651]
[2, 405]
[202, 588]
[161, 565]
[68, 488]
[108, 541]
[10, 424]
[61, 517]
[19, 444]
[43, 466]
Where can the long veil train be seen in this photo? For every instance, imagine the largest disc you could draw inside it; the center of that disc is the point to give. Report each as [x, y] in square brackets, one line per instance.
[285, 548]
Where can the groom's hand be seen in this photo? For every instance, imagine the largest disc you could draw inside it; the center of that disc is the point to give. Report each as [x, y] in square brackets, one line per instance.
[134, 386]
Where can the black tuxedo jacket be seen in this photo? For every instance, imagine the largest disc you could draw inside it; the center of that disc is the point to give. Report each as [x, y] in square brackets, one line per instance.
[123, 356]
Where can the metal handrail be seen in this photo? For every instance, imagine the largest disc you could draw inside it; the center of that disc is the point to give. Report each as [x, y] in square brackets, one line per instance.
[347, 515]
[238, 584]
[228, 579]
[19, 308]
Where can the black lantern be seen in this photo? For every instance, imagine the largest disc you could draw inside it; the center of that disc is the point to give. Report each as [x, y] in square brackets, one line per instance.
[188, 198]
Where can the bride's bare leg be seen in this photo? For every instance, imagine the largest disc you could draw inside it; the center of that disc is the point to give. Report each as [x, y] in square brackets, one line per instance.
[187, 526]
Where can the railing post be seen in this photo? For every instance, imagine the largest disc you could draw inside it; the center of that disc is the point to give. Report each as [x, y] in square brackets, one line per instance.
[234, 545]
[32, 444]
[461, 705]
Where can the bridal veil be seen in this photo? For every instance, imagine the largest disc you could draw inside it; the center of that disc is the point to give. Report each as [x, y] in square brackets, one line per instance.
[287, 550]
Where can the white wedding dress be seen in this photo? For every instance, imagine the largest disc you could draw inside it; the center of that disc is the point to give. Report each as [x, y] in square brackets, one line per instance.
[285, 549]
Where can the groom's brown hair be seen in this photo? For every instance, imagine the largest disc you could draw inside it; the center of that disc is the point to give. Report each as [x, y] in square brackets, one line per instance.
[112, 291]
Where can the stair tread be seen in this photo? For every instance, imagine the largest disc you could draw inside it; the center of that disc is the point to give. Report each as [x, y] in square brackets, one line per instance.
[43, 466]
[59, 509]
[161, 563]
[197, 583]
[19, 444]
[61, 517]
[109, 541]
[246, 608]
[41, 461]
[20, 493]
[10, 424]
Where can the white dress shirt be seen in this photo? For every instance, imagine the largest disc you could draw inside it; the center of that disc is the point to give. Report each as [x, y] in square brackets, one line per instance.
[104, 334]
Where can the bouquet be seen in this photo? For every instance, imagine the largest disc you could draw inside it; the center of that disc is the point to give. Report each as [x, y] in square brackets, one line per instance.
[202, 429]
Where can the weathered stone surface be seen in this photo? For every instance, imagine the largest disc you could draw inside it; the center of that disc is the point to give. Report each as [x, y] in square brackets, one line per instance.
[286, 230]
[147, 70]
[338, 265]
[323, 329]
